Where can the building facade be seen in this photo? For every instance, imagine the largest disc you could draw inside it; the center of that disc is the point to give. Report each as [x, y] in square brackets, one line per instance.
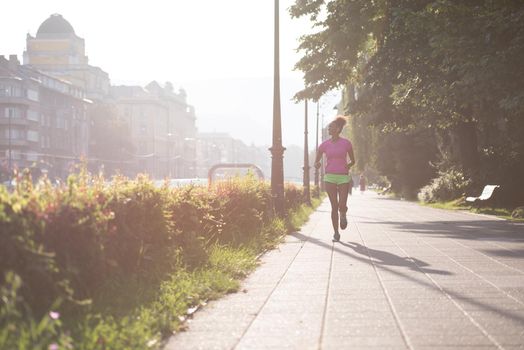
[56, 108]
[58, 51]
[43, 123]
[216, 147]
[162, 128]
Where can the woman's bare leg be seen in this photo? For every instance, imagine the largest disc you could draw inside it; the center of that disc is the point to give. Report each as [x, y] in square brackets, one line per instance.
[332, 192]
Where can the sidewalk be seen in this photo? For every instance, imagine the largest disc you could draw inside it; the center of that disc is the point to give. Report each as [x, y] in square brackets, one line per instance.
[403, 277]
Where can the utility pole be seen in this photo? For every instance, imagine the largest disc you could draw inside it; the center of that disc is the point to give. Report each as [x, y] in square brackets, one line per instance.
[277, 151]
[317, 188]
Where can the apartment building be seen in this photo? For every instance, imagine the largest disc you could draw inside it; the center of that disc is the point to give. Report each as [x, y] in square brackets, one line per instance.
[43, 124]
[162, 127]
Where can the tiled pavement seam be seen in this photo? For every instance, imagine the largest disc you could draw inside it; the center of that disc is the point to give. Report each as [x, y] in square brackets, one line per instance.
[487, 332]
[404, 276]
[222, 323]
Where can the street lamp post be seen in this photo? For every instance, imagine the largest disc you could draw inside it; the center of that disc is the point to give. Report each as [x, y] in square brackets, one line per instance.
[307, 194]
[317, 179]
[277, 151]
[9, 145]
[322, 184]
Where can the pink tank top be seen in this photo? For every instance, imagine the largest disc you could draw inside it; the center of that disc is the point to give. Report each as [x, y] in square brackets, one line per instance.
[336, 154]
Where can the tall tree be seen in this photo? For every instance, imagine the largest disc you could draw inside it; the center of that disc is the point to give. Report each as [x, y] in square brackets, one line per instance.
[445, 71]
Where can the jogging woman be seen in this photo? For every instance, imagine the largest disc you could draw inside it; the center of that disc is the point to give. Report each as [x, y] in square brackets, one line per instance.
[337, 149]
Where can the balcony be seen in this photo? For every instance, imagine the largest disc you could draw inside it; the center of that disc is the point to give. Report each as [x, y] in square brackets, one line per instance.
[17, 100]
[14, 142]
[14, 121]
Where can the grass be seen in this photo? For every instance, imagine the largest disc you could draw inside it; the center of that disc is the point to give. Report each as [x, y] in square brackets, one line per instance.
[460, 204]
[148, 323]
[302, 214]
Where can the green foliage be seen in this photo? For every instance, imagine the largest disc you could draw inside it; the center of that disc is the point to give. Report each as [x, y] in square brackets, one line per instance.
[302, 213]
[122, 261]
[293, 196]
[245, 206]
[447, 186]
[414, 68]
[139, 231]
[234, 261]
[23, 217]
[18, 327]
[518, 213]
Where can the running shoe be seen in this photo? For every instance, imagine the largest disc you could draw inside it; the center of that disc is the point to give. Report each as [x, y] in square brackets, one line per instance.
[343, 221]
[336, 237]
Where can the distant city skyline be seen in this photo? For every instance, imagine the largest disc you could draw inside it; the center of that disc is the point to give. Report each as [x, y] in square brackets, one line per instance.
[220, 52]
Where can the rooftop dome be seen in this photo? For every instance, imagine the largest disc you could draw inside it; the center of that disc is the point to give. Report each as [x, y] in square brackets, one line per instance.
[55, 24]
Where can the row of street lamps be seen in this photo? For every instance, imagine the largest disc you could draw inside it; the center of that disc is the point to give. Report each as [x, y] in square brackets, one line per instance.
[277, 151]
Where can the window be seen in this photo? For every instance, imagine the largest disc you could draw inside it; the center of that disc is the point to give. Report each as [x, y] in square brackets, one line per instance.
[32, 135]
[10, 91]
[60, 123]
[32, 95]
[16, 91]
[16, 134]
[12, 112]
[33, 115]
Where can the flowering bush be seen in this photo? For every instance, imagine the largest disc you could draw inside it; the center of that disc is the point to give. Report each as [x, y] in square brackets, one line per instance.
[23, 218]
[68, 244]
[19, 329]
[138, 235]
[245, 206]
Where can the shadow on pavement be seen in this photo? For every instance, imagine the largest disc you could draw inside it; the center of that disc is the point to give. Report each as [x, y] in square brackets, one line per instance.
[385, 258]
[513, 253]
[427, 284]
[487, 230]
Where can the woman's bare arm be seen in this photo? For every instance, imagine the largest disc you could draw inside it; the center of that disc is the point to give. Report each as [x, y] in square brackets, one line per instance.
[318, 158]
[351, 158]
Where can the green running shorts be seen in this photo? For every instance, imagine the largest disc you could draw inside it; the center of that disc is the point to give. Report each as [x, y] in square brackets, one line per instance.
[337, 179]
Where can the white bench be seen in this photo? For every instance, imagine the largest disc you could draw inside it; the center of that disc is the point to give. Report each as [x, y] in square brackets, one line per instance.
[486, 194]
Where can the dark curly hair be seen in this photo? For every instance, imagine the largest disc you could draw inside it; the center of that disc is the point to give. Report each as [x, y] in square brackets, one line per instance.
[339, 121]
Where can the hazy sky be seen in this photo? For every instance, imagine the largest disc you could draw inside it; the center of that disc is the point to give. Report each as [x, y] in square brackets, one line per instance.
[221, 52]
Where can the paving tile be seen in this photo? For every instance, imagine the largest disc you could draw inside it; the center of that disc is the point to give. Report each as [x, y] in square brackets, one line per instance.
[456, 347]
[412, 254]
[395, 342]
[275, 342]
[447, 340]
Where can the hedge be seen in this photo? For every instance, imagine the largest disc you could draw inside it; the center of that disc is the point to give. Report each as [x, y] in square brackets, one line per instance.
[64, 247]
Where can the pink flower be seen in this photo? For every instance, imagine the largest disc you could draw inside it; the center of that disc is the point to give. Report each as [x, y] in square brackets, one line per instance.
[54, 315]
[53, 346]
